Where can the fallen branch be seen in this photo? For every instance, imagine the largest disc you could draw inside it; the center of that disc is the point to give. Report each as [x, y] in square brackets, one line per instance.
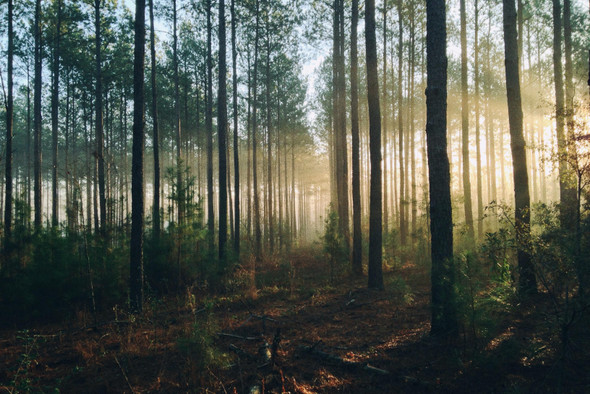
[224, 334]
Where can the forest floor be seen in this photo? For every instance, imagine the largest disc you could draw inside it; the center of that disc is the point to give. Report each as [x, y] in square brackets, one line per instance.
[304, 335]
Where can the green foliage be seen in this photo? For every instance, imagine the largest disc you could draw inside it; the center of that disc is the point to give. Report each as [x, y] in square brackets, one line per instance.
[333, 243]
[199, 349]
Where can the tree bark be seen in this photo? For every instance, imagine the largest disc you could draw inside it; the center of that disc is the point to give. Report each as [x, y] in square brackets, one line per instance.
[235, 119]
[9, 130]
[444, 314]
[209, 127]
[54, 118]
[99, 118]
[357, 237]
[222, 136]
[527, 281]
[156, 133]
[375, 274]
[137, 182]
[465, 127]
[37, 117]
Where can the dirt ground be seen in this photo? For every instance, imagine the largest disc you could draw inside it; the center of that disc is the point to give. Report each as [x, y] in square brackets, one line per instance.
[307, 335]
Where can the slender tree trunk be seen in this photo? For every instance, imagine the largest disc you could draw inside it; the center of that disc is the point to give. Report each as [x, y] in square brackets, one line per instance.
[137, 182]
[477, 125]
[384, 124]
[181, 192]
[357, 237]
[269, 189]
[156, 135]
[527, 282]
[54, 118]
[465, 126]
[99, 117]
[400, 120]
[257, 229]
[9, 120]
[444, 314]
[209, 127]
[37, 116]
[566, 203]
[375, 215]
[222, 136]
[235, 119]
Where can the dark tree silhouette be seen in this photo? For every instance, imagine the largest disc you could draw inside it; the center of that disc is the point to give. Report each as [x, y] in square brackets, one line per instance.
[137, 188]
[444, 314]
[527, 282]
[222, 135]
[375, 205]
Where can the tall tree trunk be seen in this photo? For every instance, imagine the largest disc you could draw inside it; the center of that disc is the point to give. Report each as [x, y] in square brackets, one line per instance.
[54, 118]
[444, 314]
[477, 125]
[465, 126]
[339, 102]
[156, 134]
[222, 136]
[235, 119]
[257, 229]
[400, 120]
[99, 118]
[180, 191]
[384, 125]
[566, 203]
[269, 189]
[357, 236]
[209, 127]
[137, 182]
[527, 281]
[37, 116]
[375, 215]
[9, 119]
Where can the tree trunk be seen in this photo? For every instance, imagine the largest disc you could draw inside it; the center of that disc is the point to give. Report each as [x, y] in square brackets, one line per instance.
[235, 119]
[257, 229]
[99, 118]
[209, 127]
[444, 314]
[375, 215]
[222, 136]
[477, 125]
[9, 120]
[527, 281]
[357, 236]
[54, 118]
[465, 127]
[156, 135]
[180, 190]
[400, 120]
[137, 182]
[37, 116]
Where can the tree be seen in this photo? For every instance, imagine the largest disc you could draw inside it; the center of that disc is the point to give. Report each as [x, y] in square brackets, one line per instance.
[527, 282]
[222, 135]
[357, 241]
[339, 120]
[375, 206]
[209, 127]
[99, 117]
[9, 125]
[156, 134]
[444, 314]
[37, 116]
[235, 119]
[137, 188]
[465, 126]
[54, 115]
